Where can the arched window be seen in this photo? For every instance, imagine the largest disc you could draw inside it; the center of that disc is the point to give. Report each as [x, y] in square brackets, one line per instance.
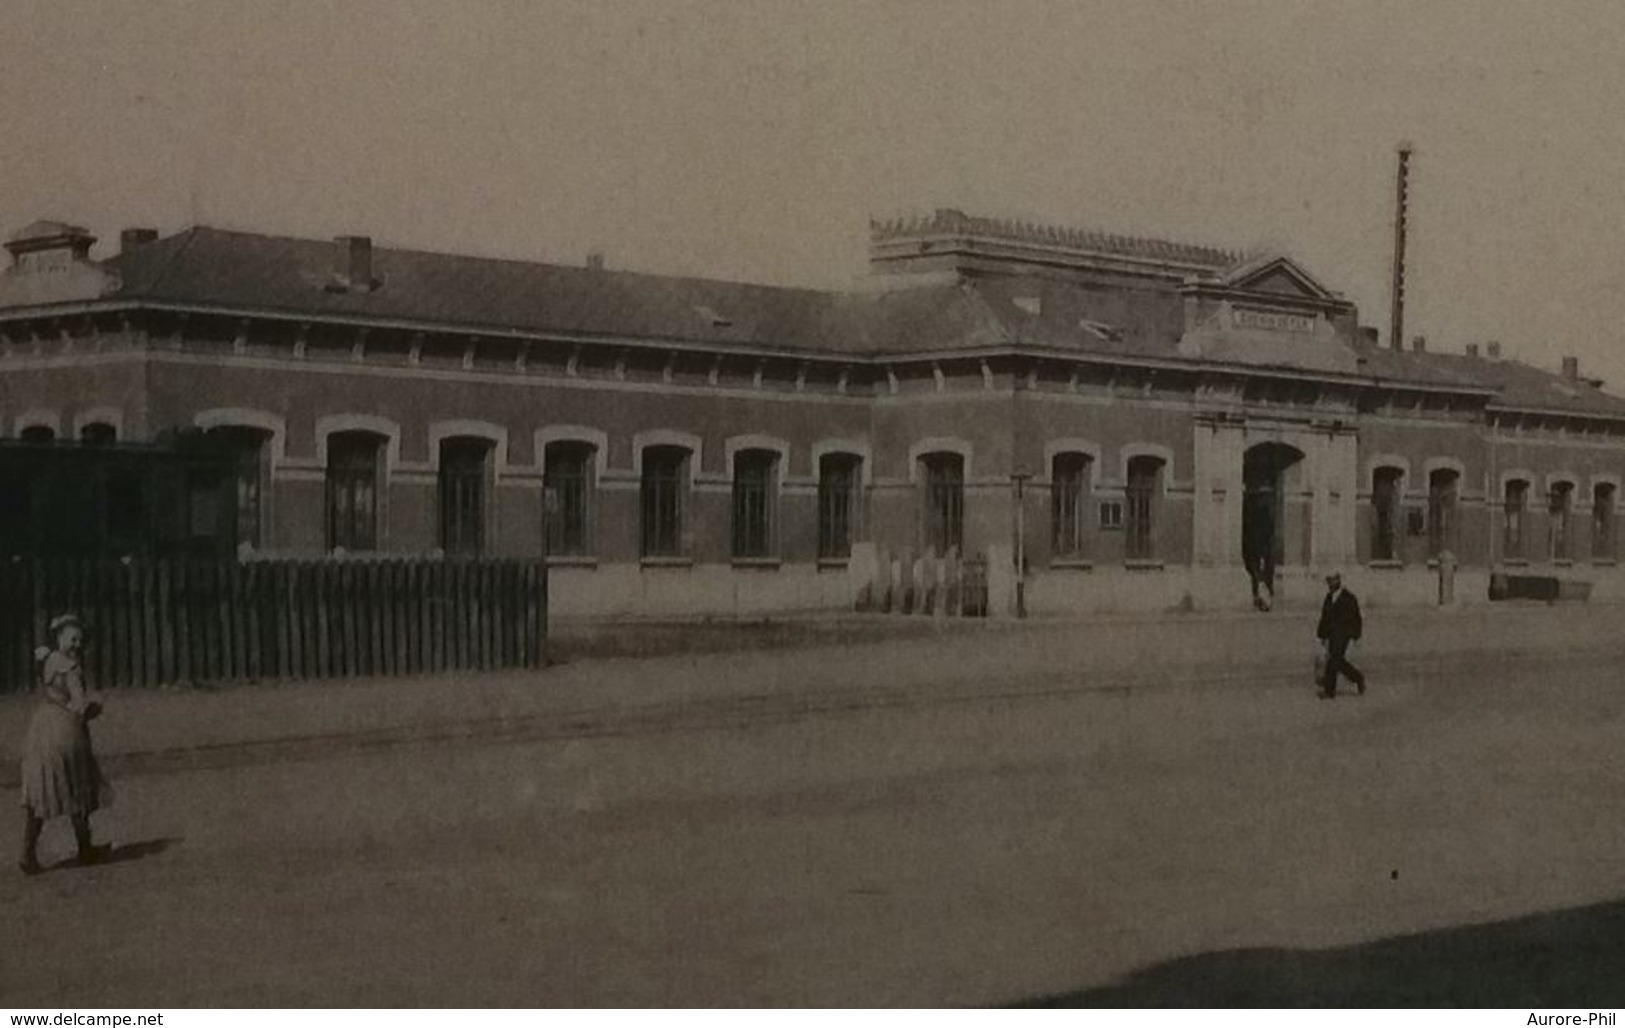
[465, 463]
[568, 478]
[1514, 503]
[837, 486]
[1069, 505]
[98, 433]
[1387, 488]
[38, 434]
[662, 489]
[353, 473]
[944, 502]
[1443, 489]
[1143, 490]
[1559, 504]
[754, 485]
[1602, 521]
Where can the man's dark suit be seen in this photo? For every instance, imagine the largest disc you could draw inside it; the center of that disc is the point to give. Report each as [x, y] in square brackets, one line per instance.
[1340, 624]
[1258, 544]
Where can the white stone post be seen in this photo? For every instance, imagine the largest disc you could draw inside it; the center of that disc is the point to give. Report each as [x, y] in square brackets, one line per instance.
[1203, 512]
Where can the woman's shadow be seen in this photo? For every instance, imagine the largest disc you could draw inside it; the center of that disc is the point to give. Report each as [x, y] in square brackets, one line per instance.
[122, 853]
[125, 852]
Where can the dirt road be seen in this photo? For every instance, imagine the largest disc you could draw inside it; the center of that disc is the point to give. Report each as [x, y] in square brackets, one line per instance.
[1190, 839]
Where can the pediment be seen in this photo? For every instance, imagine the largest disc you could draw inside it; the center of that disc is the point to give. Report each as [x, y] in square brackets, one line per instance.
[1267, 334]
[1279, 276]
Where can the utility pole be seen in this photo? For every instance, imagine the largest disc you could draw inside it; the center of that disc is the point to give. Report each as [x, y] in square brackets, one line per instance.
[1018, 481]
[1396, 332]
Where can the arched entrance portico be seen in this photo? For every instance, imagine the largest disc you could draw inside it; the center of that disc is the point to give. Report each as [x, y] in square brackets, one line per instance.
[1286, 488]
[1274, 522]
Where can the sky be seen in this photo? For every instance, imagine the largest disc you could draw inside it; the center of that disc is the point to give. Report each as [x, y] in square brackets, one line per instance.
[753, 139]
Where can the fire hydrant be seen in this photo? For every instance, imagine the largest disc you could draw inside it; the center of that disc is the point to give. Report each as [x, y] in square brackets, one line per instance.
[1447, 578]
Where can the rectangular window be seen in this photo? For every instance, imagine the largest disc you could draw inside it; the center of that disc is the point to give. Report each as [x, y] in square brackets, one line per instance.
[352, 490]
[1385, 495]
[1144, 475]
[245, 448]
[1516, 498]
[753, 503]
[1442, 489]
[463, 463]
[944, 502]
[1069, 488]
[1559, 504]
[1111, 515]
[837, 485]
[661, 500]
[1602, 522]
[568, 480]
[250, 496]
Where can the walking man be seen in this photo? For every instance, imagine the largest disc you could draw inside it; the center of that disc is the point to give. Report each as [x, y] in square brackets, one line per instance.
[1258, 549]
[1339, 626]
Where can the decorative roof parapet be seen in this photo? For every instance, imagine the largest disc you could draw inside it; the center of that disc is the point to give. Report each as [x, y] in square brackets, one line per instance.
[948, 221]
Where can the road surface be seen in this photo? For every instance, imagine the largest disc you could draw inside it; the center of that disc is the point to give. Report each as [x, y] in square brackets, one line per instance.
[1456, 836]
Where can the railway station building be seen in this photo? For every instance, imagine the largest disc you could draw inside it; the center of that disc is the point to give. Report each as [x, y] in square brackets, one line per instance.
[1122, 412]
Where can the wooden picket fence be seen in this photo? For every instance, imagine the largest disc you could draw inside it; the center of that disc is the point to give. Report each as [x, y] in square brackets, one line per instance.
[186, 622]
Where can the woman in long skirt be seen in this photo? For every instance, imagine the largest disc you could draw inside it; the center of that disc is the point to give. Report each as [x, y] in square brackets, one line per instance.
[60, 774]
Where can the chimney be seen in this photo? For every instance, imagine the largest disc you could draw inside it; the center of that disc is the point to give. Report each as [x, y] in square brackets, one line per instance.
[1419, 344]
[1571, 368]
[1472, 349]
[352, 263]
[131, 238]
[595, 261]
[1492, 350]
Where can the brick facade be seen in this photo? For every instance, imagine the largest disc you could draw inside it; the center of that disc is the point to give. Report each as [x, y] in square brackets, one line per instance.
[1124, 381]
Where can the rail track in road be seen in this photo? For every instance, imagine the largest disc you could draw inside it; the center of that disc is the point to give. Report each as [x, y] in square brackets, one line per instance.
[742, 711]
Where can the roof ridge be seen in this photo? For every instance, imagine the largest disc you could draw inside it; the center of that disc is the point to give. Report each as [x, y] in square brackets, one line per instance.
[519, 262]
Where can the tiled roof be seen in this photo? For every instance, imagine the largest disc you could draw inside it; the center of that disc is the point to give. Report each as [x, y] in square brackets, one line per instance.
[1061, 315]
[215, 268]
[1387, 365]
[206, 267]
[1526, 387]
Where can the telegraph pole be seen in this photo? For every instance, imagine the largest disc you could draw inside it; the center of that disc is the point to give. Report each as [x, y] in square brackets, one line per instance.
[1396, 332]
[1018, 482]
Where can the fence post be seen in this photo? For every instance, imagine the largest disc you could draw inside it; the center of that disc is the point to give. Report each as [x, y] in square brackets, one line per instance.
[543, 640]
[939, 587]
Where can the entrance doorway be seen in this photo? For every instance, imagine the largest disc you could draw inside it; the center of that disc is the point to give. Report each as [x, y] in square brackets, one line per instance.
[1268, 472]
